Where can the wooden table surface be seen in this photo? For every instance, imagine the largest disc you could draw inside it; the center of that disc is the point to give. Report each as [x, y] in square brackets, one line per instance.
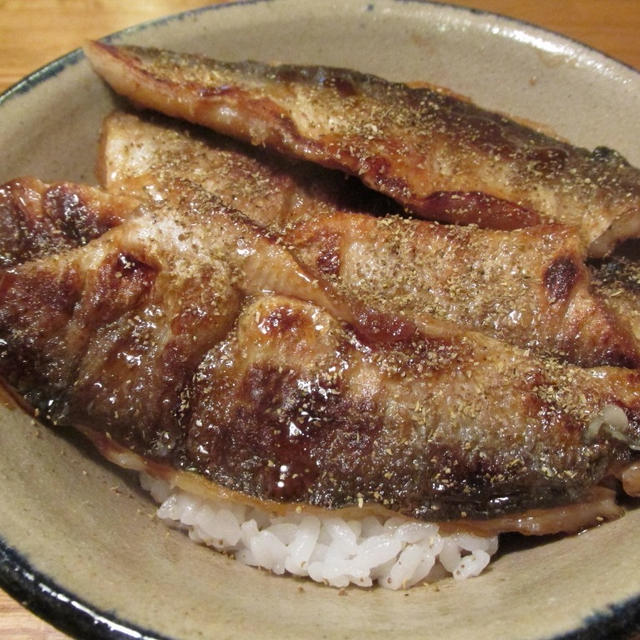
[33, 32]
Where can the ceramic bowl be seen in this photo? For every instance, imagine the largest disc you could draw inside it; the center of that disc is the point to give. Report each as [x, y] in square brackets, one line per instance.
[78, 541]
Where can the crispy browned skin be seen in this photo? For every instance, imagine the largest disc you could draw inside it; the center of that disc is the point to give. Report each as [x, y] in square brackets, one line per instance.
[138, 155]
[528, 287]
[37, 219]
[617, 280]
[595, 506]
[441, 157]
[188, 336]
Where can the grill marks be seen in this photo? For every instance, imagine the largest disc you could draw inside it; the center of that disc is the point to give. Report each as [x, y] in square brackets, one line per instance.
[560, 278]
[37, 307]
[266, 362]
[168, 335]
[279, 426]
[527, 287]
[407, 143]
[120, 282]
[487, 280]
[37, 220]
[328, 260]
[315, 416]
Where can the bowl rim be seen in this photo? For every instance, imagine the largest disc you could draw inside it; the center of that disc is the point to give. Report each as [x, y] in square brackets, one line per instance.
[40, 593]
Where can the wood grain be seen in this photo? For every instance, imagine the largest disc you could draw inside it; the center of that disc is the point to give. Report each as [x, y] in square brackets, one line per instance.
[33, 33]
[36, 31]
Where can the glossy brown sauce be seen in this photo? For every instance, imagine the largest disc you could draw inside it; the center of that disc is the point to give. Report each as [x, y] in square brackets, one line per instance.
[232, 404]
[599, 506]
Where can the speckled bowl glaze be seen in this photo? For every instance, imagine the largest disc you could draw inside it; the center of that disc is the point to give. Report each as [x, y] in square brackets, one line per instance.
[78, 541]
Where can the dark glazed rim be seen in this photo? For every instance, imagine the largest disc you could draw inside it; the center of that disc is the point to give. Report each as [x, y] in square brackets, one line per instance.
[42, 596]
[39, 592]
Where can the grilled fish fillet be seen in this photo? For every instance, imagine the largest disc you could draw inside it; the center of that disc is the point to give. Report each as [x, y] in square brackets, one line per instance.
[37, 219]
[617, 279]
[137, 155]
[189, 337]
[528, 287]
[440, 157]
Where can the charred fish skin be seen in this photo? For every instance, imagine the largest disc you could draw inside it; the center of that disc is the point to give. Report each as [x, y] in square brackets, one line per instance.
[127, 303]
[138, 155]
[527, 287]
[414, 427]
[617, 280]
[411, 144]
[188, 336]
[37, 219]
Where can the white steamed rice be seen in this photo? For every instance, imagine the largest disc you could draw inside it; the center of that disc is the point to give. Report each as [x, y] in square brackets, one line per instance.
[395, 552]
